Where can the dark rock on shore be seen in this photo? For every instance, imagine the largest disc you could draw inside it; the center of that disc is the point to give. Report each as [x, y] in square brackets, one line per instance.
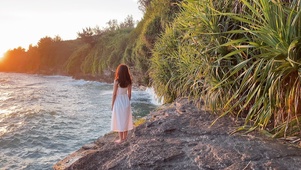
[180, 136]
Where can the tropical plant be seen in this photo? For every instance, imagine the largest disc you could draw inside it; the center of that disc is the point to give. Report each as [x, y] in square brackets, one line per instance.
[197, 37]
[270, 83]
[239, 57]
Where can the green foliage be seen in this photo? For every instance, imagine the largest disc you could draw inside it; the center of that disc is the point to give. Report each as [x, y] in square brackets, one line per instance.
[191, 46]
[88, 35]
[271, 92]
[151, 31]
[33, 59]
[163, 68]
[51, 54]
[127, 23]
[47, 58]
[107, 53]
[46, 51]
[143, 4]
[238, 57]
[158, 14]
[99, 51]
[77, 57]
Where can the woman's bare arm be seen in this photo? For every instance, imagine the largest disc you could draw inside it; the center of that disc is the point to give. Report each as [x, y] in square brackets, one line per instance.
[115, 86]
[130, 91]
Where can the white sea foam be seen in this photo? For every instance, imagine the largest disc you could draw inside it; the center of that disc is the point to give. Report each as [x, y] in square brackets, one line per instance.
[154, 98]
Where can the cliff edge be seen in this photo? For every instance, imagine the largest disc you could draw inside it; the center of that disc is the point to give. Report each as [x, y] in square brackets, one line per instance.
[179, 136]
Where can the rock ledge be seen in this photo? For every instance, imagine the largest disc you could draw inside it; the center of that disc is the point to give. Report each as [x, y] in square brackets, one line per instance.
[179, 136]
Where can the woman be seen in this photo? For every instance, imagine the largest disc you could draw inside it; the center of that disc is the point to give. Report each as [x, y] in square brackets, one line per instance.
[121, 107]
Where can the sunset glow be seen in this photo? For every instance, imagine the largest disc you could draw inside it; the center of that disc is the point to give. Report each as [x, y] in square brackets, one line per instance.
[26, 22]
[2, 53]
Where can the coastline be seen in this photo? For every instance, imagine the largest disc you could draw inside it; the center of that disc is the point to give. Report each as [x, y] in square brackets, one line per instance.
[179, 136]
[50, 111]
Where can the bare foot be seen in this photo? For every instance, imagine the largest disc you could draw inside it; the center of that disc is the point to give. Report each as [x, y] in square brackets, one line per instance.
[118, 141]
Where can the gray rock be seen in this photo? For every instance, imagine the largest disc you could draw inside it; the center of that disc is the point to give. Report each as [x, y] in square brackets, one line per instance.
[180, 136]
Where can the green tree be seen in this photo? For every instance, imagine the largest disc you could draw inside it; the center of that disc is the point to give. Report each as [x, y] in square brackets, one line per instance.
[87, 35]
[34, 59]
[46, 52]
[127, 23]
[112, 25]
[144, 4]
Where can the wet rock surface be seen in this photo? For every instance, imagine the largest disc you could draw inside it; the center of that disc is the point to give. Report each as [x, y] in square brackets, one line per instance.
[180, 136]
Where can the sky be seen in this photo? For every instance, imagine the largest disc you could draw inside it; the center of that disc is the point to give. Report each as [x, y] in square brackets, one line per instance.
[25, 22]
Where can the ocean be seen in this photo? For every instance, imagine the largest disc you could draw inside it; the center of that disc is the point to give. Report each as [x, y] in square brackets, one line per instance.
[45, 118]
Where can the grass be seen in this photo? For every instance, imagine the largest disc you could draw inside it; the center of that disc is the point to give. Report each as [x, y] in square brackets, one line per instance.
[241, 58]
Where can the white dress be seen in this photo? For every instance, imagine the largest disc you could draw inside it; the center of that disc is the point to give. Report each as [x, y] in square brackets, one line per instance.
[122, 113]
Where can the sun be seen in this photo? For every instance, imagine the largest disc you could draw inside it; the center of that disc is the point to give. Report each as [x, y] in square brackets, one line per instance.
[3, 50]
[2, 54]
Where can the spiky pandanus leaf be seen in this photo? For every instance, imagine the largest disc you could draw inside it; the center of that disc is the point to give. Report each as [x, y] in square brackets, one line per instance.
[272, 92]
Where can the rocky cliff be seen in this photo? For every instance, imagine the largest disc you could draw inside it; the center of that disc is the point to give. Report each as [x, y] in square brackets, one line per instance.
[179, 136]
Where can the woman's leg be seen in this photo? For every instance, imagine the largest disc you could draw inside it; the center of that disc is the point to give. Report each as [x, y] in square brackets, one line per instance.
[125, 134]
[120, 137]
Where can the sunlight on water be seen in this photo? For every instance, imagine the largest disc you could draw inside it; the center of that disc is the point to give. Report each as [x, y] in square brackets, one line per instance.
[4, 112]
[45, 118]
[10, 128]
[3, 129]
[3, 96]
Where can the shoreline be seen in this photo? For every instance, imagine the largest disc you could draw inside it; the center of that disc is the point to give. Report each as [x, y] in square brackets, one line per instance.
[179, 136]
[102, 79]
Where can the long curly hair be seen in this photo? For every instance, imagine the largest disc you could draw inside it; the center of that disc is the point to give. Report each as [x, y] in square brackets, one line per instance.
[123, 76]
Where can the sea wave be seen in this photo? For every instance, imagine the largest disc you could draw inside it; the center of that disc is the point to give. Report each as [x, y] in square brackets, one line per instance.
[44, 118]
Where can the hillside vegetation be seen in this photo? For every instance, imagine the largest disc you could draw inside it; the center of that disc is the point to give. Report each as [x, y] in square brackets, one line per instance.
[97, 52]
[238, 57]
[235, 57]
